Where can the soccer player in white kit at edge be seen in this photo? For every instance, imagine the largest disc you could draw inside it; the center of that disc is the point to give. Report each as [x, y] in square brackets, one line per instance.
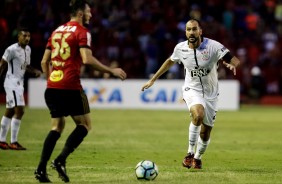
[17, 58]
[200, 57]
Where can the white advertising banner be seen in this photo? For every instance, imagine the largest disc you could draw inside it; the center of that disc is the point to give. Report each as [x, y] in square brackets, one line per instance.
[114, 93]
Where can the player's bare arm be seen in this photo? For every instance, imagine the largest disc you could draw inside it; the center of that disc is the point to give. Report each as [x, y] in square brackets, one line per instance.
[88, 58]
[234, 63]
[34, 71]
[45, 62]
[165, 66]
[3, 66]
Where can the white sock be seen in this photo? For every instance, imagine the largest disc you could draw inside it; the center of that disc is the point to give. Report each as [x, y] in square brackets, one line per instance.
[194, 132]
[5, 126]
[15, 127]
[201, 148]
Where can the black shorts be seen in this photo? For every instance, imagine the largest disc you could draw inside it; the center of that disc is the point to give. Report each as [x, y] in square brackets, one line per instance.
[66, 102]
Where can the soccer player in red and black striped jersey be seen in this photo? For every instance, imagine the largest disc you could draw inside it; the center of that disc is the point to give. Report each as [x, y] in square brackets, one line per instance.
[67, 49]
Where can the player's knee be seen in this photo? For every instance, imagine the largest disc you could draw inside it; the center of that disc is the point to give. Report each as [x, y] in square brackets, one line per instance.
[87, 126]
[198, 119]
[19, 114]
[9, 113]
[58, 129]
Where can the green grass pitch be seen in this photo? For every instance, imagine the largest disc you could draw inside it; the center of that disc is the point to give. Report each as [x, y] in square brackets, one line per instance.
[245, 147]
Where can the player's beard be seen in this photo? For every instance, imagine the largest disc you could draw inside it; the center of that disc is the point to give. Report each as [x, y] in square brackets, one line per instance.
[24, 43]
[85, 23]
[196, 39]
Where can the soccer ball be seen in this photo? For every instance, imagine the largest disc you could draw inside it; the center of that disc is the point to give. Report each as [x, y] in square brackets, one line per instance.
[146, 170]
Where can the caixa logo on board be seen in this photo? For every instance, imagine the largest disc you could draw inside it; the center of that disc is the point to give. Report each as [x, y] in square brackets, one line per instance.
[103, 95]
[161, 95]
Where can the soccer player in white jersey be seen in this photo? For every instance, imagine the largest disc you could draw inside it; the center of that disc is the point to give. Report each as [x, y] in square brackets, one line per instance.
[200, 57]
[17, 58]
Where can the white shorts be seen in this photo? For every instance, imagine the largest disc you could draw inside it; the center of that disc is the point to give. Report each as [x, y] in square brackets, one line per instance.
[14, 97]
[192, 98]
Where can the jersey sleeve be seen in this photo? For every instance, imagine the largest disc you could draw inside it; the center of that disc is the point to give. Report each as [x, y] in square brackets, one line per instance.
[84, 39]
[48, 45]
[175, 56]
[8, 55]
[220, 50]
[28, 60]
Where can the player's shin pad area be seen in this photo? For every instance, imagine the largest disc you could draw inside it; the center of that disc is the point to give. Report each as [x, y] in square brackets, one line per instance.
[245, 147]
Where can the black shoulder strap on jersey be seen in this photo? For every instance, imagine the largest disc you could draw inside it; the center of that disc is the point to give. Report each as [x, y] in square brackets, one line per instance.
[227, 57]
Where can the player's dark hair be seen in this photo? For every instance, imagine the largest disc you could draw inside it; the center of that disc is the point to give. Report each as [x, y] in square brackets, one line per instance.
[196, 20]
[24, 29]
[76, 5]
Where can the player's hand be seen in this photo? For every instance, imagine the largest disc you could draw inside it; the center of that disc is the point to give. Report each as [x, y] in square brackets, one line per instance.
[118, 72]
[37, 73]
[230, 67]
[147, 85]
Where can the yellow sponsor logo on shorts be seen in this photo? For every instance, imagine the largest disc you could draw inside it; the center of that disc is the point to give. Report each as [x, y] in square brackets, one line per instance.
[56, 75]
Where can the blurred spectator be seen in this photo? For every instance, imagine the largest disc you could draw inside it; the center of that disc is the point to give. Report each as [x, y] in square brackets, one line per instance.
[151, 56]
[252, 22]
[228, 16]
[269, 39]
[174, 72]
[257, 84]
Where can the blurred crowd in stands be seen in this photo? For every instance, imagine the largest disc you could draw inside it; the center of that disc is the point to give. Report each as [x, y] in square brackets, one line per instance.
[139, 35]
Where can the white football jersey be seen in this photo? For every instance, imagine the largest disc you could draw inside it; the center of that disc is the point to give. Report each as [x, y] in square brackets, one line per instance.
[200, 66]
[17, 58]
